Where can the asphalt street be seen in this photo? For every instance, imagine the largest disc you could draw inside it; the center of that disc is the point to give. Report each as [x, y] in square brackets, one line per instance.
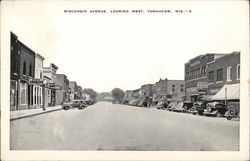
[107, 126]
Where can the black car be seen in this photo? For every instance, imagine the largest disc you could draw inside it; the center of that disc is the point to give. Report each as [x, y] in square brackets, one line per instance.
[80, 104]
[199, 107]
[233, 110]
[215, 108]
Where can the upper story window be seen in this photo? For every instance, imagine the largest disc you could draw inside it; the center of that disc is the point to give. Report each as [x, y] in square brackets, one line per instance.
[24, 68]
[229, 73]
[238, 71]
[220, 74]
[30, 70]
[211, 76]
[182, 89]
[173, 88]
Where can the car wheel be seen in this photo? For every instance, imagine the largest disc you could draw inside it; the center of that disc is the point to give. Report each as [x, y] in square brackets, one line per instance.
[200, 112]
[232, 112]
[229, 118]
[66, 108]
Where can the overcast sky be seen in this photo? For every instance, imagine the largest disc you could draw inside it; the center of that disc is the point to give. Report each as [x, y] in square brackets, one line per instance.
[126, 50]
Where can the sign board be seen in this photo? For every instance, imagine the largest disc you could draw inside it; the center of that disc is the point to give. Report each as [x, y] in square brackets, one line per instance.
[192, 90]
[203, 91]
[38, 82]
[202, 85]
[56, 87]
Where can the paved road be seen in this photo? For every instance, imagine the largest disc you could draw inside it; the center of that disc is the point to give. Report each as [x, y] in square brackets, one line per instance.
[106, 126]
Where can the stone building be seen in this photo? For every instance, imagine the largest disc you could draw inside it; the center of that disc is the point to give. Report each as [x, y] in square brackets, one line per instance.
[22, 65]
[63, 94]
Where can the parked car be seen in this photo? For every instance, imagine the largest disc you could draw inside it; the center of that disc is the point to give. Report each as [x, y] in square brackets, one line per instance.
[215, 108]
[90, 102]
[187, 106]
[171, 106]
[179, 107]
[162, 105]
[199, 107]
[233, 110]
[80, 104]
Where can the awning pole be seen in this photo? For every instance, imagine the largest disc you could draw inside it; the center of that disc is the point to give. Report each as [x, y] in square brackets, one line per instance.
[226, 96]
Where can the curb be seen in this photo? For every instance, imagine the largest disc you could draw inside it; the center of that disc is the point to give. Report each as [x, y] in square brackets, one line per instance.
[35, 114]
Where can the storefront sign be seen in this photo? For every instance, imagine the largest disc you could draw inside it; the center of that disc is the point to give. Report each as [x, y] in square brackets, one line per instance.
[203, 91]
[213, 91]
[56, 87]
[38, 82]
[191, 90]
[202, 85]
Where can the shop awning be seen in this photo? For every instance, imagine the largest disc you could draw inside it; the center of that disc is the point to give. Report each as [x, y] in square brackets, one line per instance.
[229, 91]
[207, 97]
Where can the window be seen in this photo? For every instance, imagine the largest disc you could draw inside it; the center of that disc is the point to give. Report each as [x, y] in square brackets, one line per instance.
[182, 89]
[220, 75]
[30, 70]
[211, 76]
[173, 88]
[238, 71]
[229, 73]
[24, 68]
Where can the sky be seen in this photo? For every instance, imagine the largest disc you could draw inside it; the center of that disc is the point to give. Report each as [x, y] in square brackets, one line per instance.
[126, 50]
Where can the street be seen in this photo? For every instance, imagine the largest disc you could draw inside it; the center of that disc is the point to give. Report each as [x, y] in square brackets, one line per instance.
[107, 126]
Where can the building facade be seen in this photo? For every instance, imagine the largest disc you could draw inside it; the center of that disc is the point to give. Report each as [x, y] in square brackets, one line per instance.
[63, 94]
[22, 68]
[73, 90]
[196, 76]
[171, 89]
[49, 74]
[224, 70]
[38, 88]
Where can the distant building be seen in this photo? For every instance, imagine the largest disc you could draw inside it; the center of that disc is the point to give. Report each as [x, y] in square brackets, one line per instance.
[170, 89]
[196, 76]
[73, 90]
[147, 90]
[62, 95]
[79, 92]
[128, 95]
[49, 74]
[21, 73]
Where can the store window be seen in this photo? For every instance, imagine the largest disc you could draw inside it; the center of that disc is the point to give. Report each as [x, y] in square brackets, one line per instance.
[220, 75]
[30, 70]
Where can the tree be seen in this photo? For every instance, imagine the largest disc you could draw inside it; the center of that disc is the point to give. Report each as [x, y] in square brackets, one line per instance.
[92, 94]
[117, 94]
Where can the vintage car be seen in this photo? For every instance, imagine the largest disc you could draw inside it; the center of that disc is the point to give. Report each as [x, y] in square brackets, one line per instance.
[215, 108]
[172, 105]
[80, 104]
[178, 107]
[233, 110]
[187, 106]
[90, 102]
[162, 105]
[198, 107]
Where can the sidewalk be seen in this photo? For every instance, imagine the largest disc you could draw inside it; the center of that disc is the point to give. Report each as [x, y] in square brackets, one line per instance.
[15, 115]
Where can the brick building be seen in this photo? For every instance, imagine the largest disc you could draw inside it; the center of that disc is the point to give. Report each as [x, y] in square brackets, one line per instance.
[63, 94]
[171, 89]
[196, 76]
[22, 67]
[206, 74]
[224, 71]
